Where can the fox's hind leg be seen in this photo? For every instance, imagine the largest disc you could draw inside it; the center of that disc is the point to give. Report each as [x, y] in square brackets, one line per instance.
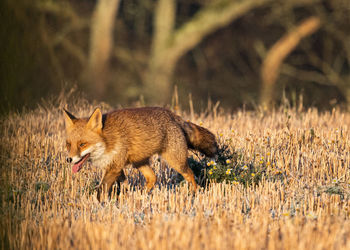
[176, 156]
[147, 172]
[181, 167]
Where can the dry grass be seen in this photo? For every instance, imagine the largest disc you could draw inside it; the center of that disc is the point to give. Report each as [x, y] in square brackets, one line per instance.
[45, 206]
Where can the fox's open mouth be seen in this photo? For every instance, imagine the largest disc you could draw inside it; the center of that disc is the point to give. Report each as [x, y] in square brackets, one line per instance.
[77, 166]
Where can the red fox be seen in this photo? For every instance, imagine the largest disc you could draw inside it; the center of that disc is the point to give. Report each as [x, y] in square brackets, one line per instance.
[132, 136]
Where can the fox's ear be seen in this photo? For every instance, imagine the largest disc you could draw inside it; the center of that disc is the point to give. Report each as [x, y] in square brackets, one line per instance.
[68, 118]
[95, 120]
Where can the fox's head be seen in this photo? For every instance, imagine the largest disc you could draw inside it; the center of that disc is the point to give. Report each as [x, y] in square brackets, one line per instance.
[84, 138]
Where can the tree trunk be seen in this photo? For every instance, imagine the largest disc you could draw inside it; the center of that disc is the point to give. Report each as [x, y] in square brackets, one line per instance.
[101, 42]
[158, 81]
[160, 68]
[169, 45]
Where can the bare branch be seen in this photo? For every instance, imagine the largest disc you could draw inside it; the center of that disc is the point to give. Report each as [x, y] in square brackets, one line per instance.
[61, 9]
[304, 75]
[279, 51]
[74, 50]
[207, 20]
[170, 45]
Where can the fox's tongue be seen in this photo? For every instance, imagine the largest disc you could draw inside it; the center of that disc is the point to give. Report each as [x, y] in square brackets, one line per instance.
[77, 166]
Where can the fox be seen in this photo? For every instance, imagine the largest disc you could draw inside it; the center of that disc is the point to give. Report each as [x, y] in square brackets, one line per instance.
[131, 136]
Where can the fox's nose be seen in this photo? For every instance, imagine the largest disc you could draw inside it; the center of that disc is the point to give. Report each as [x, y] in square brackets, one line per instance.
[69, 159]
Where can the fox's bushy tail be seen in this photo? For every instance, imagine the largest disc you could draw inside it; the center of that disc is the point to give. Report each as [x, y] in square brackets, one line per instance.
[199, 138]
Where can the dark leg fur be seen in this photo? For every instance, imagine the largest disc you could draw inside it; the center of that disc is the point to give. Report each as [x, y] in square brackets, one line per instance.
[108, 180]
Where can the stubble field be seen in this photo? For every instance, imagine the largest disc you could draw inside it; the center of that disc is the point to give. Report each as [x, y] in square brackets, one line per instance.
[45, 206]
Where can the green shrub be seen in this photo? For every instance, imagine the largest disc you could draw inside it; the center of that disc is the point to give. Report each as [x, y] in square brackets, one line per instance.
[230, 167]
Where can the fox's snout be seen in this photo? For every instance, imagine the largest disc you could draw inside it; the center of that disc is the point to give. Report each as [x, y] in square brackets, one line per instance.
[69, 159]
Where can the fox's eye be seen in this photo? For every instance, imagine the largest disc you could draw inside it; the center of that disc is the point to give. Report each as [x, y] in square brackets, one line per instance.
[82, 144]
[68, 145]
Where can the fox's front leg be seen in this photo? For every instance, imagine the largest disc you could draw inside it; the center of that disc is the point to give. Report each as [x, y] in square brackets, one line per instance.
[110, 176]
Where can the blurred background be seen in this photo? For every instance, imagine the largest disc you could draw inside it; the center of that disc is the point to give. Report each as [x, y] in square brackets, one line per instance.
[238, 52]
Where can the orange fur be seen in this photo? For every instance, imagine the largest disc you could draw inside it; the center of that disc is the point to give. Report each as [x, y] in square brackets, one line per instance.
[132, 136]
